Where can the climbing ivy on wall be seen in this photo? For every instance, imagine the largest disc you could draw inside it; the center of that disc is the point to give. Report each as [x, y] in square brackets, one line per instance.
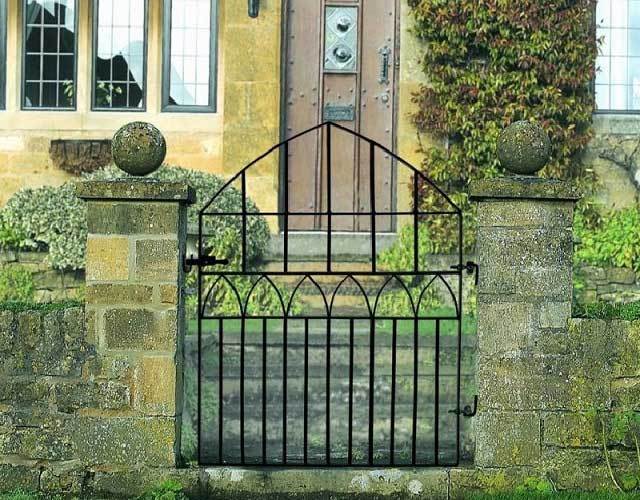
[489, 63]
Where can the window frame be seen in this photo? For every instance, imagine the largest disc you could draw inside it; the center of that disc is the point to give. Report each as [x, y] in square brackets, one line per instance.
[23, 55]
[3, 54]
[166, 64]
[94, 53]
[607, 111]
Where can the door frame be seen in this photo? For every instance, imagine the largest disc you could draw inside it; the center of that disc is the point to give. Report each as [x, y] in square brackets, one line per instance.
[284, 49]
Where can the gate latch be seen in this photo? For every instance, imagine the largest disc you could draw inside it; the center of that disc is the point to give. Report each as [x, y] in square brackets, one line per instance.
[205, 260]
[468, 411]
[471, 268]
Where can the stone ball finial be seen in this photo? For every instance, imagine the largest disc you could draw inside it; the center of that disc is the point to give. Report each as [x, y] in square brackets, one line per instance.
[138, 148]
[524, 148]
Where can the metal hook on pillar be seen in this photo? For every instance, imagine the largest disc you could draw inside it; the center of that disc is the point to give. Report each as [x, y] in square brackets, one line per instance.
[254, 8]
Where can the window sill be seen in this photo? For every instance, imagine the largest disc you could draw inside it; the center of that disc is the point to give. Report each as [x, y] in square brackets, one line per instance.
[619, 123]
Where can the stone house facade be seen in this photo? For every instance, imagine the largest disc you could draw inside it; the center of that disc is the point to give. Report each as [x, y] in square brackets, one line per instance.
[224, 86]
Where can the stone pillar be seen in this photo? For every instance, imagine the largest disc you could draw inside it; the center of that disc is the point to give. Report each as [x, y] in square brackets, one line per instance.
[524, 248]
[134, 310]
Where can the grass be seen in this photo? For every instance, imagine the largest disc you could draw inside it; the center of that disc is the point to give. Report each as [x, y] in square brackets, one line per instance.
[528, 495]
[605, 310]
[36, 306]
[25, 495]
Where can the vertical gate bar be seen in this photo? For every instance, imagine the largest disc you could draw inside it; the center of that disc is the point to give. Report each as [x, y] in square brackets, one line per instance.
[200, 314]
[264, 391]
[306, 391]
[394, 358]
[414, 420]
[436, 414]
[244, 222]
[372, 362]
[329, 197]
[284, 389]
[372, 194]
[415, 223]
[459, 356]
[286, 207]
[351, 349]
[220, 385]
[242, 349]
[328, 395]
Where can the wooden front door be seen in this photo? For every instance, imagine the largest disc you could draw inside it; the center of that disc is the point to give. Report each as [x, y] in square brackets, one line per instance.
[340, 66]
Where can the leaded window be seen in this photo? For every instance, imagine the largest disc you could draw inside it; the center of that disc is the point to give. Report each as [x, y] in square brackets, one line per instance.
[119, 48]
[189, 82]
[49, 54]
[618, 77]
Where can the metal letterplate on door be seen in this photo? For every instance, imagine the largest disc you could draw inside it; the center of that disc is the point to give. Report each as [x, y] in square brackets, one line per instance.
[341, 39]
[339, 113]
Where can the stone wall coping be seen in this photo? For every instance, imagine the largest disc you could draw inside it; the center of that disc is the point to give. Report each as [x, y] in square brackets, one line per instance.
[523, 188]
[136, 190]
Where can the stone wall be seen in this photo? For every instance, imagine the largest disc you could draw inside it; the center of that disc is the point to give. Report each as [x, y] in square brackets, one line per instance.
[611, 284]
[54, 392]
[50, 284]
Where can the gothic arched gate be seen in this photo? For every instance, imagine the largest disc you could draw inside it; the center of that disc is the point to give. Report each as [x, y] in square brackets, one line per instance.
[330, 360]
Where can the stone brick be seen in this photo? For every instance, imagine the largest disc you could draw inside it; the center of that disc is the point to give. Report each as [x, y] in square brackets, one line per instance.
[169, 294]
[525, 383]
[140, 329]
[128, 441]
[72, 396]
[525, 214]
[24, 391]
[13, 477]
[42, 437]
[627, 364]
[621, 275]
[127, 483]
[526, 247]
[110, 218]
[119, 294]
[156, 261]
[507, 439]
[504, 327]
[626, 393]
[29, 326]
[72, 322]
[555, 314]
[7, 331]
[577, 469]
[107, 258]
[573, 430]
[132, 190]
[91, 322]
[152, 397]
[63, 477]
[466, 481]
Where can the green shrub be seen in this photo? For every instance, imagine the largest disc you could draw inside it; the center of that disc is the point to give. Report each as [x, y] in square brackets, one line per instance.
[489, 64]
[54, 219]
[612, 239]
[51, 218]
[16, 284]
[16, 306]
[18, 495]
[168, 490]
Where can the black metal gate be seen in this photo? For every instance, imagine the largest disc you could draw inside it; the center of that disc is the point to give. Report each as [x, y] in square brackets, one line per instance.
[348, 362]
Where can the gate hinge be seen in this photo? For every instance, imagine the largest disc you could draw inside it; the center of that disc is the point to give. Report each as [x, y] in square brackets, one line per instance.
[471, 268]
[467, 411]
[205, 260]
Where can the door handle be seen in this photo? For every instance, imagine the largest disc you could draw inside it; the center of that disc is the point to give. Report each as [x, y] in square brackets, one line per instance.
[385, 53]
